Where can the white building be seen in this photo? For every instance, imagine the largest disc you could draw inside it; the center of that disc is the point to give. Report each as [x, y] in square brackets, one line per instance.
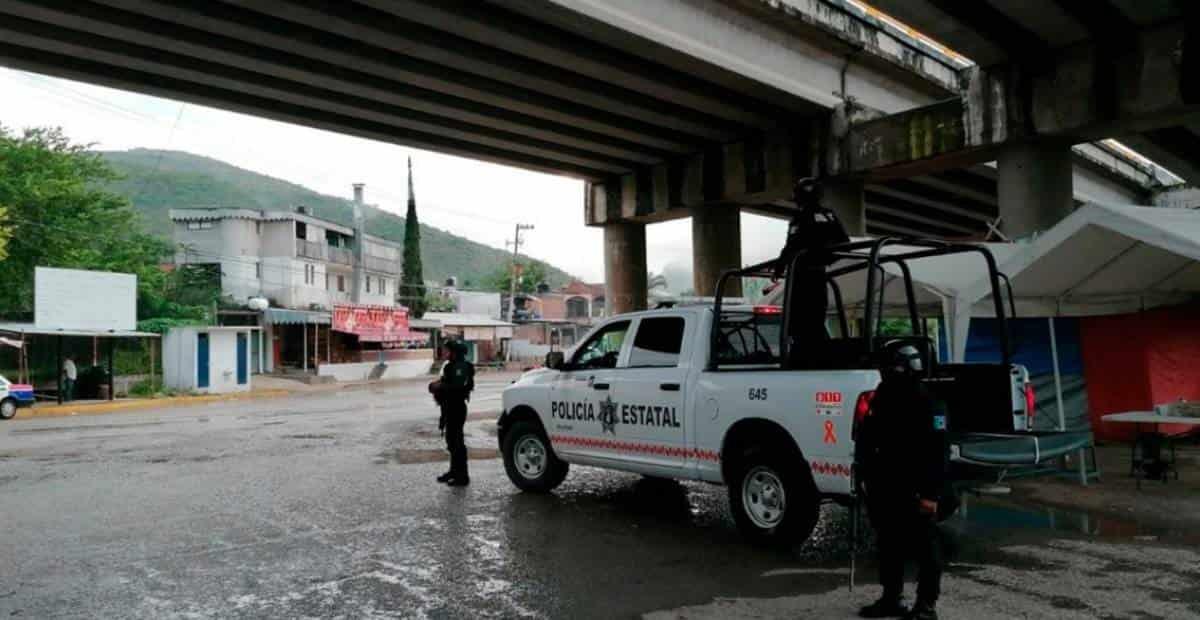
[207, 359]
[291, 258]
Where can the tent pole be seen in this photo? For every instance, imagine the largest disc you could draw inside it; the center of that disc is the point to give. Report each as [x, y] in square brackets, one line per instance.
[1058, 394]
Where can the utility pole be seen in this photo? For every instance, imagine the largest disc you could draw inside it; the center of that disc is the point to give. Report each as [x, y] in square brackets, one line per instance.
[512, 283]
[360, 243]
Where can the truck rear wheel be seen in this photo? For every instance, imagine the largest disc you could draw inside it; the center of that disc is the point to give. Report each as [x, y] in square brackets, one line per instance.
[773, 498]
[528, 460]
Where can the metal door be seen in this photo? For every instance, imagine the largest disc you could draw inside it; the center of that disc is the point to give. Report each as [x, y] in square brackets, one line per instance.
[201, 360]
[241, 359]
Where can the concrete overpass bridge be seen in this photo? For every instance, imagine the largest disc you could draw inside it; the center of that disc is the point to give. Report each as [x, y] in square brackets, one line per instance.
[668, 109]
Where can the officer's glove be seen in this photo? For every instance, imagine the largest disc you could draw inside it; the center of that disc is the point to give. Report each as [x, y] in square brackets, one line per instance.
[442, 424]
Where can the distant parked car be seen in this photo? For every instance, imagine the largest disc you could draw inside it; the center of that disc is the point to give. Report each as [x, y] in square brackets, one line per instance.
[13, 396]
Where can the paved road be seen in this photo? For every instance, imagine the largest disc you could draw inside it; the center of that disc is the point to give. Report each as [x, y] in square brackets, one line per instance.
[324, 506]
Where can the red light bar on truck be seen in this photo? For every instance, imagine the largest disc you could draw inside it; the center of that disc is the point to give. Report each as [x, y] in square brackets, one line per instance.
[768, 309]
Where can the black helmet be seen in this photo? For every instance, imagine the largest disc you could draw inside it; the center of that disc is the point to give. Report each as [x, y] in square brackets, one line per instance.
[807, 192]
[455, 347]
[902, 359]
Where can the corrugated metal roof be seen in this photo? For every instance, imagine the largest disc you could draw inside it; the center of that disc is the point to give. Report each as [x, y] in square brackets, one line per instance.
[283, 316]
[453, 319]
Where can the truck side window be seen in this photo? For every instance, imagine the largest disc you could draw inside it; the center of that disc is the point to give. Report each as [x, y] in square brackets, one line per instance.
[657, 343]
[603, 348]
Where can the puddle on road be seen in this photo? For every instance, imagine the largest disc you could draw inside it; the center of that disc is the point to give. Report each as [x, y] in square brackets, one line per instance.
[408, 456]
[979, 516]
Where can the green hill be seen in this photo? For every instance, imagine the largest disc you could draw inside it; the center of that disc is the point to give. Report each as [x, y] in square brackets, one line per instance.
[156, 181]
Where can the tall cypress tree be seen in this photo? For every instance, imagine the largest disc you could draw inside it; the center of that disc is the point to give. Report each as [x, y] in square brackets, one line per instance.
[412, 283]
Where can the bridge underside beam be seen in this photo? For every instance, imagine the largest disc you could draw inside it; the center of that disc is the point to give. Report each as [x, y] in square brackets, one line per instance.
[1075, 97]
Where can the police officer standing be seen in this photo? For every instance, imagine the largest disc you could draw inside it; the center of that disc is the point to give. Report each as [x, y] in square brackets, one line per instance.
[811, 232]
[452, 392]
[903, 458]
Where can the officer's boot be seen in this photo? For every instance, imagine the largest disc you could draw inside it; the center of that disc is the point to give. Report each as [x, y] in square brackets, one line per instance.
[446, 477]
[923, 610]
[886, 607]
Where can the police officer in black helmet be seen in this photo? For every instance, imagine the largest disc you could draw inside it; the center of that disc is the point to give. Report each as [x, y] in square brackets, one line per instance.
[452, 392]
[811, 232]
[903, 457]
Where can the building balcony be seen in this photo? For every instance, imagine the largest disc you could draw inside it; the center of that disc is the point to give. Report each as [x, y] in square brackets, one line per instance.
[310, 249]
[381, 265]
[342, 256]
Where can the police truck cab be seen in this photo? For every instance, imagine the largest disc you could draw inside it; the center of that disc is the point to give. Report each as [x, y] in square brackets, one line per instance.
[721, 393]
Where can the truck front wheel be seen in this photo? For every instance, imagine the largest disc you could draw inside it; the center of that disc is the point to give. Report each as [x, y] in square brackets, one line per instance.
[8, 409]
[529, 461]
[773, 499]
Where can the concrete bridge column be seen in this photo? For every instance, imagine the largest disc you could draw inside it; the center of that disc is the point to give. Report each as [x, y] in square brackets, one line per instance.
[625, 267]
[1035, 187]
[845, 198]
[716, 247]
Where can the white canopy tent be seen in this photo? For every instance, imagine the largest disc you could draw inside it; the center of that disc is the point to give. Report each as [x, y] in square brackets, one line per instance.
[1101, 259]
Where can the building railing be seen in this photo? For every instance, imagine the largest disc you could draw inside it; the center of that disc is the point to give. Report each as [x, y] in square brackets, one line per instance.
[310, 249]
[341, 256]
[382, 265]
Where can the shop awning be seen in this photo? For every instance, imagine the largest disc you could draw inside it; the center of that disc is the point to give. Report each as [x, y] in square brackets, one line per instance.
[284, 316]
[373, 323]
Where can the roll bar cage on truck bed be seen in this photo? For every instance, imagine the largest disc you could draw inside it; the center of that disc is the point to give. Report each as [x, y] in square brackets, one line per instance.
[859, 255]
[982, 398]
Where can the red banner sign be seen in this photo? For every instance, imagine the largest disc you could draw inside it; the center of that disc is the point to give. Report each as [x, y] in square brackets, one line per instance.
[372, 323]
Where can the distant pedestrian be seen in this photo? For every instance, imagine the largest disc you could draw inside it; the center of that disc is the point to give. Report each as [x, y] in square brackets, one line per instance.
[903, 457]
[70, 374]
[452, 392]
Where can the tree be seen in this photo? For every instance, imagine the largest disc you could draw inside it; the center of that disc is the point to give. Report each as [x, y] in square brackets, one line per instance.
[531, 272]
[435, 302]
[412, 283]
[59, 215]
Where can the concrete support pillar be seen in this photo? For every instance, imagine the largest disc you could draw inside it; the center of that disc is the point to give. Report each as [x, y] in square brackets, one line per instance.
[716, 247]
[845, 198]
[1035, 187]
[625, 267]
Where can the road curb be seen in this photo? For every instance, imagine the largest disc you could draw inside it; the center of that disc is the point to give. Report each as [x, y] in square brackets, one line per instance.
[68, 409]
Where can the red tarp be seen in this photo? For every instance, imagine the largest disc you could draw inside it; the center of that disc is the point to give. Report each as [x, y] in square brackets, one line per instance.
[372, 323]
[1134, 361]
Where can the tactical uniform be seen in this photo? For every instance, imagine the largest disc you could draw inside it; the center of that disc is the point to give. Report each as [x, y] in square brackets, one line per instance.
[811, 230]
[452, 392]
[903, 456]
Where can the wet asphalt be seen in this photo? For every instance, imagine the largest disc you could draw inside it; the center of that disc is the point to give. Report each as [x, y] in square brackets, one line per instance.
[324, 505]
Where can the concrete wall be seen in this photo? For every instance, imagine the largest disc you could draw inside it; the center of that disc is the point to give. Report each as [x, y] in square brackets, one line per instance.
[396, 369]
[179, 359]
[279, 238]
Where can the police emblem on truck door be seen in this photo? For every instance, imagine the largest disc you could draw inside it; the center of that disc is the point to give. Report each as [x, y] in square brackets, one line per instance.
[608, 416]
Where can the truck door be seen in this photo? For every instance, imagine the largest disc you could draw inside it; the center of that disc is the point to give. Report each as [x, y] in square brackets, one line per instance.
[651, 421]
[584, 392]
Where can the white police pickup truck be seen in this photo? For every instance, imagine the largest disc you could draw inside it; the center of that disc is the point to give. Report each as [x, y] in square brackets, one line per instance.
[675, 393]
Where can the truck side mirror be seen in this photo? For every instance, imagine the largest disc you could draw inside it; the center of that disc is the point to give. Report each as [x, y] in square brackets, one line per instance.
[555, 360]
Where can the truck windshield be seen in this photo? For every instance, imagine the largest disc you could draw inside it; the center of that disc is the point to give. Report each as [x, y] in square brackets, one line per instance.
[748, 337]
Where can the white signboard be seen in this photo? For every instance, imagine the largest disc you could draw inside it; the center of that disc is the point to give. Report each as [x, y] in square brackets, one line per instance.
[74, 299]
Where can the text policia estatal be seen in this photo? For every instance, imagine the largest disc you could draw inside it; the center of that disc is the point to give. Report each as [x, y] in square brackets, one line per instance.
[645, 415]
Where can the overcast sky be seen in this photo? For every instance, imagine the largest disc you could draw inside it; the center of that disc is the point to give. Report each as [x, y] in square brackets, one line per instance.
[477, 200]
